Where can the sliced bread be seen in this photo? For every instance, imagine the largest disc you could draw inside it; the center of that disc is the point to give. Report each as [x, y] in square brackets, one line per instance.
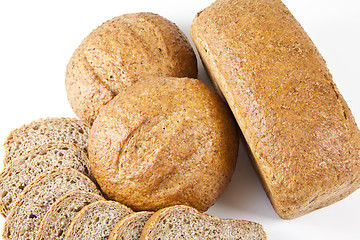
[182, 222]
[43, 131]
[32, 204]
[59, 216]
[130, 227]
[40, 159]
[96, 220]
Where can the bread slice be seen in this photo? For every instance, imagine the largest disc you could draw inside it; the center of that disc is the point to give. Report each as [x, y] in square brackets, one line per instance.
[96, 220]
[58, 218]
[43, 131]
[182, 222]
[40, 159]
[130, 227]
[32, 204]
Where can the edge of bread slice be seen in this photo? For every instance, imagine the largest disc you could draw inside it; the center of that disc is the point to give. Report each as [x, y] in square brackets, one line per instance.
[59, 216]
[96, 220]
[183, 222]
[39, 159]
[130, 227]
[32, 204]
[42, 131]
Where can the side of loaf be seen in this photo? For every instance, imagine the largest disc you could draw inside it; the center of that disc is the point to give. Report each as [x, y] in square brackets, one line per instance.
[302, 136]
[183, 222]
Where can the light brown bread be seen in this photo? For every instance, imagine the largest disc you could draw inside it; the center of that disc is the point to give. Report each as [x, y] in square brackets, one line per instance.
[183, 222]
[120, 52]
[41, 158]
[162, 142]
[130, 227]
[43, 131]
[32, 204]
[58, 218]
[301, 133]
[96, 220]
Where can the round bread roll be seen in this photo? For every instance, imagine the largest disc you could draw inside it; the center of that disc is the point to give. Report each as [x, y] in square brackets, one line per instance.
[120, 52]
[162, 142]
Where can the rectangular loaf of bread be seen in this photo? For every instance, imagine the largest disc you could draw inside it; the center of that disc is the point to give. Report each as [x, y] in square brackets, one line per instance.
[303, 137]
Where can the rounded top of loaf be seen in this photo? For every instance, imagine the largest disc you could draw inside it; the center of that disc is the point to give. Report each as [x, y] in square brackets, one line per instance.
[164, 141]
[122, 51]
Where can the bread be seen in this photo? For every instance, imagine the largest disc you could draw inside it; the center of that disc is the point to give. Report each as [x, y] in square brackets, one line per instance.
[301, 133]
[32, 204]
[43, 131]
[40, 159]
[96, 220]
[120, 52]
[130, 227]
[162, 142]
[58, 218]
[183, 222]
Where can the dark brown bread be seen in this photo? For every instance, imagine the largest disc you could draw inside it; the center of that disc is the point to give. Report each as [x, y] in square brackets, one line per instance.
[32, 204]
[43, 131]
[58, 218]
[120, 52]
[96, 220]
[42, 158]
[183, 222]
[162, 142]
[130, 227]
[301, 133]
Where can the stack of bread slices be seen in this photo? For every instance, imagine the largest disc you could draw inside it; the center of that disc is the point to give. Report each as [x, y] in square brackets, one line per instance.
[47, 191]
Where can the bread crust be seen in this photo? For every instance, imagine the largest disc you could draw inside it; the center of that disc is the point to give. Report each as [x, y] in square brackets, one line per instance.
[120, 52]
[302, 135]
[164, 141]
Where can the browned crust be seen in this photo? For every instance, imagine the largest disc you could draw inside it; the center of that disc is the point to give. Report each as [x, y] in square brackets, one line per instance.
[120, 52]
[165, 141]
[303, 137]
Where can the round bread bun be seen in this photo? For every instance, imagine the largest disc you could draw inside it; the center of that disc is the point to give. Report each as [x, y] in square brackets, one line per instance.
[163, 142]
[120, 52]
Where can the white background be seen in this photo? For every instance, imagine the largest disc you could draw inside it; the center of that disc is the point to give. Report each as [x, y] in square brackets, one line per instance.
[37, 38]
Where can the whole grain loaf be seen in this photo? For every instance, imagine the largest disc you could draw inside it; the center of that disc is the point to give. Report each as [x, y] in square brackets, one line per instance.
[122, 51]
[300, 132]
[162, 142]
